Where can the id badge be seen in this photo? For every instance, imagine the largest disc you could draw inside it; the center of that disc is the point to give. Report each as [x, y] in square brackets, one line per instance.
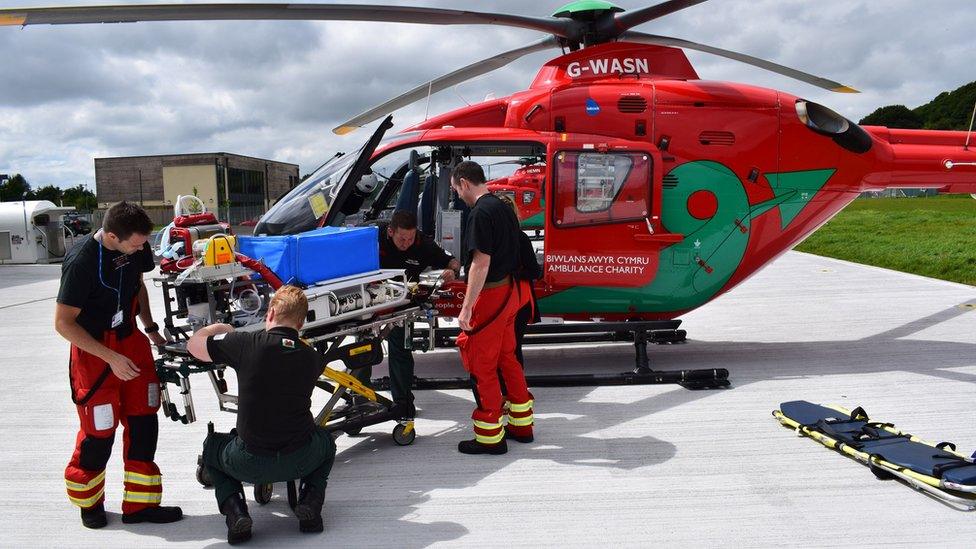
[116, 319]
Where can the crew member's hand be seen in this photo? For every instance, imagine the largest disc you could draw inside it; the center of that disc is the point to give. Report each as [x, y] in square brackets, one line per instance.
[122, 367]
[157, 339]
[448, 275]
[464, 319]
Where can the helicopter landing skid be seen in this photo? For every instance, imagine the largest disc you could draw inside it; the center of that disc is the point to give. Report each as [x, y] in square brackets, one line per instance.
[661, 332]
[689, 379]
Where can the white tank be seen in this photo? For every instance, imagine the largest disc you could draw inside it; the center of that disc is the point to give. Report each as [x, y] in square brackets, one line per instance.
[31, 232]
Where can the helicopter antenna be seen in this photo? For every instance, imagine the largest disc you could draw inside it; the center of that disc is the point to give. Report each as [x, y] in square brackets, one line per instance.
[971, 119]
[430, 86]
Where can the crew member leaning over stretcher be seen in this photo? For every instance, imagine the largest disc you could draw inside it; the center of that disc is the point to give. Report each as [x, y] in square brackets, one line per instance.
[402, 247]
[276, 439]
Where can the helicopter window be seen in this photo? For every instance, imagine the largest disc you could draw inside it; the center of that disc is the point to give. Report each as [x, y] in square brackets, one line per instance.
[302, 207]
[392, 172]
[596, 188]
[599, 178]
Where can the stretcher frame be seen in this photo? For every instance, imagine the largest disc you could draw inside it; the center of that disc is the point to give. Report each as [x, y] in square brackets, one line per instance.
[928, 484]
[367, 324]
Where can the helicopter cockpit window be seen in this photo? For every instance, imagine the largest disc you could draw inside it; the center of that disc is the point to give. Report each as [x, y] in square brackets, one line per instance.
[398, 172]
[302, 208]
[594, 188]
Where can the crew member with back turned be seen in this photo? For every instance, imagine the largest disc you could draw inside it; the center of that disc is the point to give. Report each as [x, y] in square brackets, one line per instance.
[491, 302]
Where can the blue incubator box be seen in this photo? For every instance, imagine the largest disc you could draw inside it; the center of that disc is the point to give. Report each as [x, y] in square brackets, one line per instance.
[314, 256]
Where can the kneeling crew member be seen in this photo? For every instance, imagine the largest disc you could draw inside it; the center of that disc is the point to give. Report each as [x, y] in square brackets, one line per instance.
[487, 319]
[111, 370]
[277, 439]
[401, 247]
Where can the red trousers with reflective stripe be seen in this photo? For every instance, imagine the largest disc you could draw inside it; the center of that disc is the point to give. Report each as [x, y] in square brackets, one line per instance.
[491, 350]
[132, 403]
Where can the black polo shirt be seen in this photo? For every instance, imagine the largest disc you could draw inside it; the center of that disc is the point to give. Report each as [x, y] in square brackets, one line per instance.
[493, 229]
[100, 295]
[276, 372]
[423, 254]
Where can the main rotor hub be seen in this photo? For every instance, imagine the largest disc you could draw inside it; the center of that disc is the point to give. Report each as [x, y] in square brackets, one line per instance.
[594, 22]
[587, 10]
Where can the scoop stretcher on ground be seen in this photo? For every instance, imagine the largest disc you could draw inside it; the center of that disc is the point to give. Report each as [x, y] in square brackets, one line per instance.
[936, 469]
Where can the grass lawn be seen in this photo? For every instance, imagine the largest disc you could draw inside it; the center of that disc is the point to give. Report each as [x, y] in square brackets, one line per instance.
[930, 236]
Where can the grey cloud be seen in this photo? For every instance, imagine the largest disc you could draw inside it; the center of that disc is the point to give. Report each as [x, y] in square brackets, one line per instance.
[275, 89]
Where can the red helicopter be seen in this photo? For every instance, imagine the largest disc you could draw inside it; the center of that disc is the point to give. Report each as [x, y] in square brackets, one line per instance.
[662, 190]
[525, 187]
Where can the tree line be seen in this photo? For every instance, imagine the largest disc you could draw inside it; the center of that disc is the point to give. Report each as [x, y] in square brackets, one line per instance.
[948, 111]
[17, 188]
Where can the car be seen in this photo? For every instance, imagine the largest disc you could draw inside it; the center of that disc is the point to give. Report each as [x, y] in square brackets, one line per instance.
[76, 224]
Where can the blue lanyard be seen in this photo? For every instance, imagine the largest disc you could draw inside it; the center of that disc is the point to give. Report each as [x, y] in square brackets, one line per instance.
[118, 291]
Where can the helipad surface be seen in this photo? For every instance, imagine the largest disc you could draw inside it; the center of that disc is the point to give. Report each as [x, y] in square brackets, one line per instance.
[631, 466]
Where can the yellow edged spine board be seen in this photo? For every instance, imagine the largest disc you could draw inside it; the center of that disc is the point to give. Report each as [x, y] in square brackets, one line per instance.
[918, 480]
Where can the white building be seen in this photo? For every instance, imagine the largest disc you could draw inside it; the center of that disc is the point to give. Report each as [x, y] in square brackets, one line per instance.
[31, 232]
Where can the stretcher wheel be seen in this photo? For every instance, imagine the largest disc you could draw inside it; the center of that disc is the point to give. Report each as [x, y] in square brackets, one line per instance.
[402, 436]
[171, 411]
[353, 431]
[263, 492]
[203, 477]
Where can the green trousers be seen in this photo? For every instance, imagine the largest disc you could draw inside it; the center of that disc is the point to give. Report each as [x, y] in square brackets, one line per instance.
[401, 369]
[229, 463]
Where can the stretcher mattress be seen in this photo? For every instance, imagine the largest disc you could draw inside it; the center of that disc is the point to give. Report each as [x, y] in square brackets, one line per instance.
[935, 468]
[315, 256]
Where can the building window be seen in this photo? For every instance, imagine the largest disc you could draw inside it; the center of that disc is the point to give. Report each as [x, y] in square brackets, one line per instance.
[247, 190]
[222, 212]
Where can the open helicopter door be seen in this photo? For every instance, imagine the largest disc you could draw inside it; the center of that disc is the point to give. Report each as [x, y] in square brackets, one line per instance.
[356, 187]
[604, 224]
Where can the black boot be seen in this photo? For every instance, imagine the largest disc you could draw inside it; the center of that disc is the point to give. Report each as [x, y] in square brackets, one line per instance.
[157, 515]
[475, 447]
[238, 521]
[94, 516]
[519, 434]
[309, 509]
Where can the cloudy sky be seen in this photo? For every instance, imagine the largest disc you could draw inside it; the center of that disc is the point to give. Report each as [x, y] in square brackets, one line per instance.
[276, 89]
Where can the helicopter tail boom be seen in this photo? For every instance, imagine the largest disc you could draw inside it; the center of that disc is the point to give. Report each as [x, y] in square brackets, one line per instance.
[929, 159]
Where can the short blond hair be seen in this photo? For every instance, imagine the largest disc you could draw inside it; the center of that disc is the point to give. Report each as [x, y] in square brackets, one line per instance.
[290, 305]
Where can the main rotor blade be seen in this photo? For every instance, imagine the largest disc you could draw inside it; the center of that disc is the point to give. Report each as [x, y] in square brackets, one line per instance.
[427, 88]
[70, 15]
[628, 20]
[748, 59]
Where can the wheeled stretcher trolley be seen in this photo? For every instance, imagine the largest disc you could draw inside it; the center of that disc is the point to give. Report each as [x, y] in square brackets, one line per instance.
[348, 319]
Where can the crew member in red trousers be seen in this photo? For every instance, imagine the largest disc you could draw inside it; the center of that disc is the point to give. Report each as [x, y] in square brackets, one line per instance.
[492, 300]
[111, 371]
